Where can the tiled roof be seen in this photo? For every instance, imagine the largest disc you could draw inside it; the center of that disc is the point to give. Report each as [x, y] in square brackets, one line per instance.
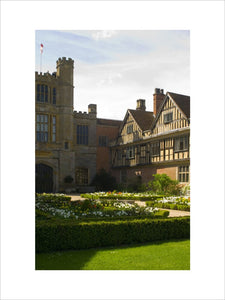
[183, 102]
[143, 118]
[108, 122]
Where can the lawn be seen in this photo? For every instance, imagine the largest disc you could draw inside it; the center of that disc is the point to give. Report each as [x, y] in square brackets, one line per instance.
[164, 255]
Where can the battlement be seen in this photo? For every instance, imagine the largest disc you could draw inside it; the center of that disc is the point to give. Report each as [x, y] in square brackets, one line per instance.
[45, 76]
[63, 60]
[83, 115]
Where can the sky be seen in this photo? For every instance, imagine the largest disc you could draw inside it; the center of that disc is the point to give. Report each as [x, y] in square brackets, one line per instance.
[114, 68]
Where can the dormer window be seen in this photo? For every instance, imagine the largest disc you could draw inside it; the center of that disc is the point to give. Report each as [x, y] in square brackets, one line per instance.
[168, 118]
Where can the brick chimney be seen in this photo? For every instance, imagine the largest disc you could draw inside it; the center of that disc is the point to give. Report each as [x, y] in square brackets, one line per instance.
[141, 104]
[158, 97]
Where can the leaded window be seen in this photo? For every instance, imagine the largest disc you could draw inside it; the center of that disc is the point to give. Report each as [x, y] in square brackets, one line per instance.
[42, 93]
[53, 128]
[82, 134]
[155, 149]
[181, 143]
[168, 117]
[54, 96]
[130, 152]
[42, 128]
[143, 151]
[81, 176]
[129, 128]
[183, 174]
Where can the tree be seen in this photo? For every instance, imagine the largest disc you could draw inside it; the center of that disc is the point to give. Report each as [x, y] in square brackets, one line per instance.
[104, 181]
[163, 184]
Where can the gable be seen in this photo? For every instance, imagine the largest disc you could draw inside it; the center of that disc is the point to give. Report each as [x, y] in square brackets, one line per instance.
[130, 131]
[171, 116]
[134, 124]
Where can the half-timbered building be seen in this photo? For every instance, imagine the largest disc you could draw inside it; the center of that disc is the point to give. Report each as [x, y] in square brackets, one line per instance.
[154, 142]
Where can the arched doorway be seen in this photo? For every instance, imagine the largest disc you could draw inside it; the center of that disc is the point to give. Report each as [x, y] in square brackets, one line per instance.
[44, 178]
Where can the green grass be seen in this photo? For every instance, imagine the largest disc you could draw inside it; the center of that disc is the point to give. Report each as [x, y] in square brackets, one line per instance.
[166, 255]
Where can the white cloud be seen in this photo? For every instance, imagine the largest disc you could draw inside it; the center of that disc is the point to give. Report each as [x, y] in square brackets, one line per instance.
[103, 34]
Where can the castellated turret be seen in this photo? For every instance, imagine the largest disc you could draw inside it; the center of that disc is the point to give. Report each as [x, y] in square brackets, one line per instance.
[64, 76]
[65, 70]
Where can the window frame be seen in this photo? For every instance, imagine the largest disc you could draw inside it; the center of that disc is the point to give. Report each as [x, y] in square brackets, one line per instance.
[168, 117]
[130, 152]
[82, 176]
[42, 93]
[42, 128]
[183, 174]
[181, 143]
[130, 129]
[82, 134]
[155, 148]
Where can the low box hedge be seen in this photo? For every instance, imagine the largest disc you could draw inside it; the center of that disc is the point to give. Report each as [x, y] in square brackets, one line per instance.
[68, 235]
[51, 198]
[168, 205]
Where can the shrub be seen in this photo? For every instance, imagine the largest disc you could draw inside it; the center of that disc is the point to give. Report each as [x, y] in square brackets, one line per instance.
[163, 184]
[104, 181]
[70, 235]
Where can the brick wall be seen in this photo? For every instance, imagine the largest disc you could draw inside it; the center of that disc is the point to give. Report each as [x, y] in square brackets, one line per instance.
[109, 129]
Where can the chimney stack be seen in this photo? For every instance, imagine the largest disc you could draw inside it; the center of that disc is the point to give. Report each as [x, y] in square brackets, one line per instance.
[141, 104]
[92, 109]
[158, 97]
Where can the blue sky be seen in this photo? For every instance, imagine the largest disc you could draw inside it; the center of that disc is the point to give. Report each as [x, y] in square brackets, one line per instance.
[115, 68]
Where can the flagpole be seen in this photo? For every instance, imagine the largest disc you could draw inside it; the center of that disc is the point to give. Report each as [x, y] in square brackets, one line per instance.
[40, 62]
[41, 51]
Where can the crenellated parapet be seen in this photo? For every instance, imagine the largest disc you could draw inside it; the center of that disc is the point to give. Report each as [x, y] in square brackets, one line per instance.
[84, 115]
[45, 77]
[65, 61]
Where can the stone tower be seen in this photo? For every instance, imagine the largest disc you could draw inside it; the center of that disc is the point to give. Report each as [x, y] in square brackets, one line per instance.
[64, 77]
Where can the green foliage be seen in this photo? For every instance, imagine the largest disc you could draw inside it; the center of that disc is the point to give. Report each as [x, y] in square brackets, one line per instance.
[185, 190]
[41, 215]
[122, 196]
[163, 184]
[60, 207]
[178, 203]
[52, 198]
[104, 181]
[61, 235]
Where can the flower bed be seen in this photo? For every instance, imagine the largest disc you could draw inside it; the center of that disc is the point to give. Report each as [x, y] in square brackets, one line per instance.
[177, 203]
[122, 196]
[50, 208]
[151, 200]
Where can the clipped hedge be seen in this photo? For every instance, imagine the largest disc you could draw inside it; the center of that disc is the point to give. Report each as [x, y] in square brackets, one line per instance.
[69, 235]
[51, 198]
[168, 205]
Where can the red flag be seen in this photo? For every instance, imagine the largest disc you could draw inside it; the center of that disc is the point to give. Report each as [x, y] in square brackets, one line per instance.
[42, 48]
